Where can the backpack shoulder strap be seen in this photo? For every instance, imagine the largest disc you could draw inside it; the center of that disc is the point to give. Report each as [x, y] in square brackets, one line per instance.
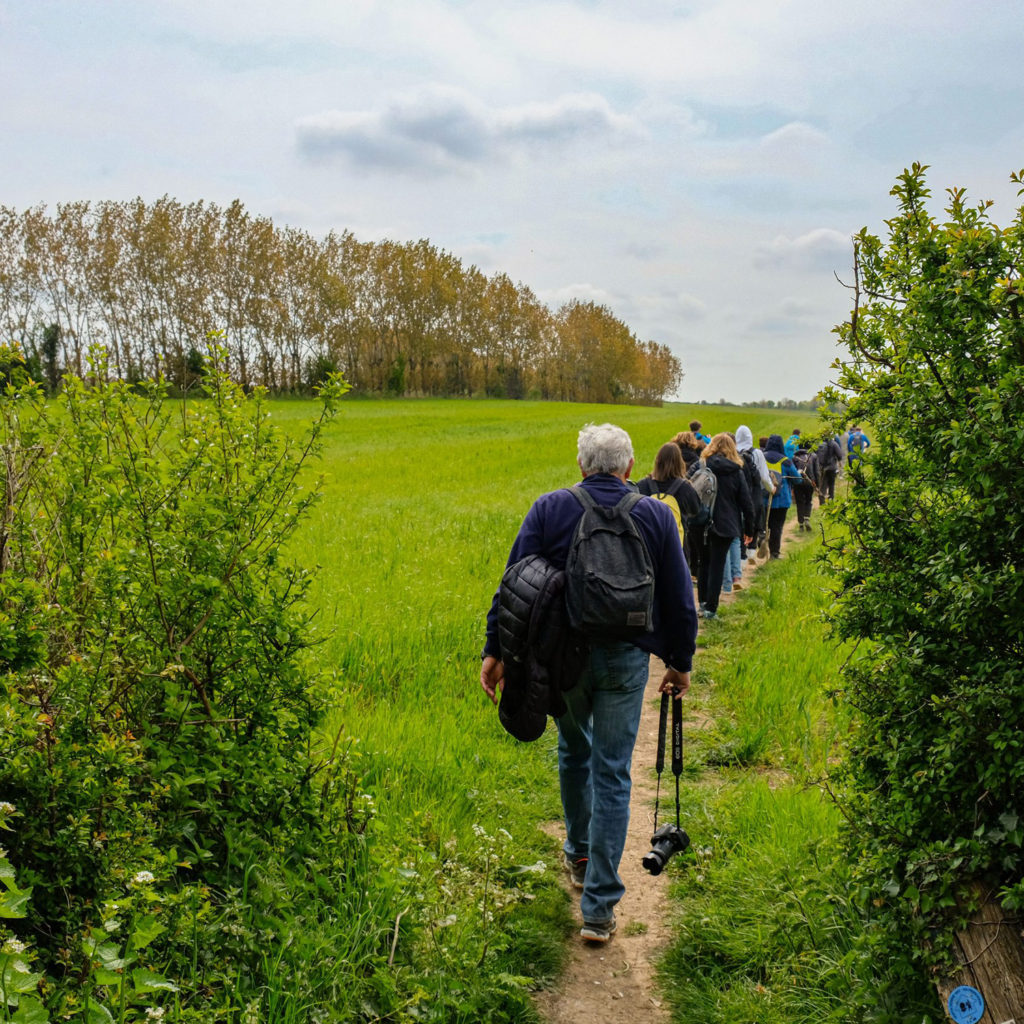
[579, 492]
[627, 501]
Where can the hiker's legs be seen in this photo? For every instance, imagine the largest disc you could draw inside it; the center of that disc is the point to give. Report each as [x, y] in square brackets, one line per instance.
[828, 486]
[715, 555]
[596, 737]
[693, 545]
[804, 497]
[734, 562]
[776, 521]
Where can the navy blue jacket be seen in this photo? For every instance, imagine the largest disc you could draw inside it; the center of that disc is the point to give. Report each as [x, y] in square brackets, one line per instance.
[774, 453]
[548, 530]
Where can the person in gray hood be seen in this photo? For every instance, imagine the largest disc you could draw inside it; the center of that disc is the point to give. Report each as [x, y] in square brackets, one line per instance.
[759, 482]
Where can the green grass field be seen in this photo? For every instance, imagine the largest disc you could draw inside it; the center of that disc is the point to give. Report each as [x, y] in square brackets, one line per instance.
[457, 907]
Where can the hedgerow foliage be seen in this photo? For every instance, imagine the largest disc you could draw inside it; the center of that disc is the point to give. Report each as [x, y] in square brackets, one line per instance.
[931, 577]
[156, 770]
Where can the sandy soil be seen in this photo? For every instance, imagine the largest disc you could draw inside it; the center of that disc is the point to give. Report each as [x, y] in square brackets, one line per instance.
[615, 983]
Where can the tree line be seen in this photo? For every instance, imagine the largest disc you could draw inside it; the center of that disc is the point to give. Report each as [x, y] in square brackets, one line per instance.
[147, 282]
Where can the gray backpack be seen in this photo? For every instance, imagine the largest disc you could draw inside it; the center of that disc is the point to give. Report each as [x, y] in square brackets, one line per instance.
[609, 592]
[705, 483]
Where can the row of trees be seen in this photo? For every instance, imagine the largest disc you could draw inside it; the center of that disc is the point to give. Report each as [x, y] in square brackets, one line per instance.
[148, 281]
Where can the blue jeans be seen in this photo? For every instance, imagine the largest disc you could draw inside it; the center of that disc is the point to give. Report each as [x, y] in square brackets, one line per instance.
[596, 737]
[733, 566]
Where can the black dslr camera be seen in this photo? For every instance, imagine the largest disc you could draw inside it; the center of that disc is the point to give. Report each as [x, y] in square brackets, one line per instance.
[665, 843]
[670, 839]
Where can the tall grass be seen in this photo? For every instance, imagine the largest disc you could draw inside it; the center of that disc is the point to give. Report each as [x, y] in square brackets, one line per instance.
[765, 932]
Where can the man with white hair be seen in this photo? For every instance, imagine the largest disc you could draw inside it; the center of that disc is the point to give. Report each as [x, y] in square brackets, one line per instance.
[597, 734]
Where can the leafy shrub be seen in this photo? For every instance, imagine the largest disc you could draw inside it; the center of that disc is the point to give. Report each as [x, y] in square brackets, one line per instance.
[158, 711]
[931, 581]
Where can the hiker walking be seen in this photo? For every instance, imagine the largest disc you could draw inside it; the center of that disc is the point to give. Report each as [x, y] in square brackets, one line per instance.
[668, 483]
[828, 458]
[855, 445]
[792, 443]
[803, 489]
[732, 517]
[759, 482]
[783, 473]
[690, 448]
[598, 731]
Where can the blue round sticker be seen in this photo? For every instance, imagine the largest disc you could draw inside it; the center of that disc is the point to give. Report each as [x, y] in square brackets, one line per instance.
[966, 1005]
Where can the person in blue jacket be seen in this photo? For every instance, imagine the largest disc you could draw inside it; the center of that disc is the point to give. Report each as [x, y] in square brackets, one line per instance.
[792, 443]
[695, 429]
[778, 462]
[855, 445]
[598, 731]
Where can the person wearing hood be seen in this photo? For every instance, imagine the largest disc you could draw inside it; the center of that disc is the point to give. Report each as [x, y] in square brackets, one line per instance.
[733, 516]
[786, 473]
[759, 480]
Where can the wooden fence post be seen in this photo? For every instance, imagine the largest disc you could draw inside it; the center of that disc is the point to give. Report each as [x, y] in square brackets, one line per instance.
[990, 955]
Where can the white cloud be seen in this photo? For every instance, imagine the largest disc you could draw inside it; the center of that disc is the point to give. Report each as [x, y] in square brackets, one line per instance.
[554, 297]
[822, 248]
[443, 129]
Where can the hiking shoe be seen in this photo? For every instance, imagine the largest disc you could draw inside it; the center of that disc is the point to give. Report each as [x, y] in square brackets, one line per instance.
[577, 870]
[705, 614]
[737, 584]
[598, 932]
[762, 549]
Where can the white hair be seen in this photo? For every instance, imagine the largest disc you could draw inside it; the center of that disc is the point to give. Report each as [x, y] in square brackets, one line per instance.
[604, 448]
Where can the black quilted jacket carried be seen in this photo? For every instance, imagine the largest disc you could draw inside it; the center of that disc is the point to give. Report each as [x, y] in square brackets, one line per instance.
[542, 655]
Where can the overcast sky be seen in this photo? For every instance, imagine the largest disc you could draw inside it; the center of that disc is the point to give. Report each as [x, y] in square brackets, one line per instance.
[698, 167]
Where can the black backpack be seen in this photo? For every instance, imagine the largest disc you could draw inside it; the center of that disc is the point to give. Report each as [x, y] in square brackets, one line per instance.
[829, 455]
[609, 590]
[750, 471]
[801, 457]
[705, 483]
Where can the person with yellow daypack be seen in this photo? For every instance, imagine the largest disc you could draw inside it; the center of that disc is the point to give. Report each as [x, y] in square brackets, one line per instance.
[783, 473]
[668, 483]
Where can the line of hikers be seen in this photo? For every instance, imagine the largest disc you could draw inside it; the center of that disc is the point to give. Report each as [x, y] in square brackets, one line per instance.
[730, 499]
[597, 580]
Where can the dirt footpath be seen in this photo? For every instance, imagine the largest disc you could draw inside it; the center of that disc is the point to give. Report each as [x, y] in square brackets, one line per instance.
[615, 983]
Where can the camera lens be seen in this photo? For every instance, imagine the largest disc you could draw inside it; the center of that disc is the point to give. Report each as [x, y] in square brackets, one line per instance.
[653, 862]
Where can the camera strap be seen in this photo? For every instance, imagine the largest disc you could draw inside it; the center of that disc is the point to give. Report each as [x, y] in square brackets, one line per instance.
[677, 749]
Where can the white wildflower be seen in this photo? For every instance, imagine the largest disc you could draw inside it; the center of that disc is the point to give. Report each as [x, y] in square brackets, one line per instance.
[6, 808]
[13, 945]
[142, 877]
[155, 1013]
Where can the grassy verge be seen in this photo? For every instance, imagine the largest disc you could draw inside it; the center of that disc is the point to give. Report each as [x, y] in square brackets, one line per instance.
[764, 930]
